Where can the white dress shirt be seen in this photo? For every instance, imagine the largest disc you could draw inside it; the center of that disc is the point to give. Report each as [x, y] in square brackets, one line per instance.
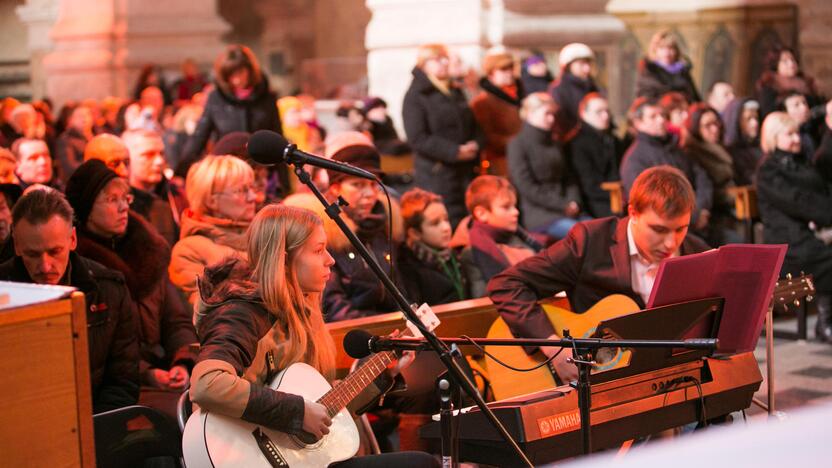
[642, 271]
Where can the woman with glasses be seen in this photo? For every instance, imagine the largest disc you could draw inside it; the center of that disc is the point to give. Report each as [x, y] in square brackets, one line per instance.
[110, 234]
[222, 204]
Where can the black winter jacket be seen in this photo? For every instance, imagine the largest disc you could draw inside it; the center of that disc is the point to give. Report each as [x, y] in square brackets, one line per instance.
[425, 281]
[166, 329]
[567, 93]
[654, 81]
[594, 157]
[790, 195]
[540, 173]
[111, 329]
[436, 125]
[647, 151]
[225, 113]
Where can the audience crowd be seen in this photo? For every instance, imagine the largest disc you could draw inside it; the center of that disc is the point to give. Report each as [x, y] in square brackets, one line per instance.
[131, 200]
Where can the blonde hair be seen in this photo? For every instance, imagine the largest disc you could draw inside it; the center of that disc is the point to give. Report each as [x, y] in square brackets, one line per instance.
[214, 174]
[430, 51]
[663, 37]
[534, 101]
[275, 237]
[775, 124]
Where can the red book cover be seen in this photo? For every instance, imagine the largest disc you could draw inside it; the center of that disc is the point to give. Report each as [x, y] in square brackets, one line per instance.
[743, 274]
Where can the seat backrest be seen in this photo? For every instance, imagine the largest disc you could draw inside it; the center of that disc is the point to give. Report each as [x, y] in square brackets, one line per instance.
[128, 436]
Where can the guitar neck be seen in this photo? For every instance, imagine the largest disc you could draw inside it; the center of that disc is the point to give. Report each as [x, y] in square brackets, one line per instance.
[345, 391]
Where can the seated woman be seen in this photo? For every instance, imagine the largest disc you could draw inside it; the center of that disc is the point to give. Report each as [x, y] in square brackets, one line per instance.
[792, 196]
[110, 234]
[354, 291]
[539, 171]
[431, 270]
[222, 204]
[742, 138]
[702, 142]
[270, 311]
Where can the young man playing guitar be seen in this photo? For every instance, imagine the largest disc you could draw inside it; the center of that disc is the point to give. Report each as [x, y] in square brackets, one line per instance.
[257, 319]
[599, 258]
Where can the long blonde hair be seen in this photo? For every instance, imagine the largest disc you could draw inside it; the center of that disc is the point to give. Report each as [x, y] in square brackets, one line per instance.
[274, 239]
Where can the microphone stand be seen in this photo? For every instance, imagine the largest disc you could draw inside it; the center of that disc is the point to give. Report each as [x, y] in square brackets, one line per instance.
[582, 357]
[333, 210]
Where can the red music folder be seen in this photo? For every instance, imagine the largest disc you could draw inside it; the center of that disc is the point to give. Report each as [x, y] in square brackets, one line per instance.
[743, 274]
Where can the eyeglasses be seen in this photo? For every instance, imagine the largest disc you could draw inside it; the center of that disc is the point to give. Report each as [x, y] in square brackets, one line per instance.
[116, 200]
[240, 192]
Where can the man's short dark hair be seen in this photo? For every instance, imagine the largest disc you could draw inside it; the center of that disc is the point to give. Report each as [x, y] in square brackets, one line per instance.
[781, 101]
[39, 205]
[665, 190]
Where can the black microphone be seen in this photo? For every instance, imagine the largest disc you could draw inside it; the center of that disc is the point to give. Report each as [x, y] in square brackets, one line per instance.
[358, 343]
[269, 148]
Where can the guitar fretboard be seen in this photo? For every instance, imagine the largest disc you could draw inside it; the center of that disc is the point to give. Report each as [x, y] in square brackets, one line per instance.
[345, 391]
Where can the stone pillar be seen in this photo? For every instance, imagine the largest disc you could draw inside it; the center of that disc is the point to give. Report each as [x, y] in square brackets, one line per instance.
[724, 39]
[39, 16]
[99, 45]
[399, 27]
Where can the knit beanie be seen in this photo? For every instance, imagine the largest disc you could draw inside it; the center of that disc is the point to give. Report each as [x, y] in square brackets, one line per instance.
[83, 186]
[360, 156]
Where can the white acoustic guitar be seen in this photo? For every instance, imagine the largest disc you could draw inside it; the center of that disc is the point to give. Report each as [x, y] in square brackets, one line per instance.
[214, 440]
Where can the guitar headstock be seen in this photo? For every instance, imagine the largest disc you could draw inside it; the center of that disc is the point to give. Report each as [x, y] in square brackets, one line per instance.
[791, 290]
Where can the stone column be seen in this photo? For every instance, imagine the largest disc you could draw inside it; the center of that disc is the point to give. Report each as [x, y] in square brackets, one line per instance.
[99, 45]
[39, 16]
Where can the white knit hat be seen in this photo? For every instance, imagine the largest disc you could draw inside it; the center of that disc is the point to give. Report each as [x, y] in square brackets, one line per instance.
[574, 51]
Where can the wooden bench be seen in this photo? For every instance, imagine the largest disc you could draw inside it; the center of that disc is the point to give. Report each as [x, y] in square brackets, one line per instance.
[745, 205]
[616, 192]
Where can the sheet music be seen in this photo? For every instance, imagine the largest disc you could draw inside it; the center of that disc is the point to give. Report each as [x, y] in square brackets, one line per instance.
[22, 294]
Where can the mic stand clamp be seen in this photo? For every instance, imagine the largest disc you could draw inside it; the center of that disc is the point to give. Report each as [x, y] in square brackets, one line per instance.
[583, 359]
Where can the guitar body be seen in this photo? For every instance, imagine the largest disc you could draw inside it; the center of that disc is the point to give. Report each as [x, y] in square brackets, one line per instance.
[507, 383]
[213, 440]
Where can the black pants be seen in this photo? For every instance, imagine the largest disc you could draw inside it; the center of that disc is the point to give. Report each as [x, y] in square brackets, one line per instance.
[397, 459]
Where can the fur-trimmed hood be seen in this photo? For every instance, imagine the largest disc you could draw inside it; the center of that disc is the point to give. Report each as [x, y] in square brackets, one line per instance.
[336, 240]
[226, 281]
[141, 255]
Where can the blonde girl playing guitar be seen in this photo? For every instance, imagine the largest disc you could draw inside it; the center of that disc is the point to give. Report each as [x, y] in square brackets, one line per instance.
[256, 318]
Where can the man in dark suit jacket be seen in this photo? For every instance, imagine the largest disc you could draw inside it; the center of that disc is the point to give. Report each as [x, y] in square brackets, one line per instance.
[601, 257]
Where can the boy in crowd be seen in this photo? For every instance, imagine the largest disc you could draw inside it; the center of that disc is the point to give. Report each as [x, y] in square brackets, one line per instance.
[497, 241]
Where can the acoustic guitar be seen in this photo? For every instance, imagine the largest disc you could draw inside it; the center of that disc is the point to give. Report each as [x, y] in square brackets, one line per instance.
[212, 440]
[507, 383]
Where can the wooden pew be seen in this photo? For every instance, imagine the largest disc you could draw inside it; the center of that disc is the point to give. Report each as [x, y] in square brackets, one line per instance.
[616, 196]
[472, 318]
[745, 204]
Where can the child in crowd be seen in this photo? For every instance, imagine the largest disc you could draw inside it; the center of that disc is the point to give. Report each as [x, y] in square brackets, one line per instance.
[497, 241]
[430, 269]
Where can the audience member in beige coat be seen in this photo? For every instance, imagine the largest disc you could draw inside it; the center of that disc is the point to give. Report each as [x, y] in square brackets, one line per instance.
[222, 204]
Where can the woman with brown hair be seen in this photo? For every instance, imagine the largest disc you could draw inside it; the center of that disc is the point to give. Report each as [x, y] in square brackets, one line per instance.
[241, 101]
[782, 77]
[257, 318]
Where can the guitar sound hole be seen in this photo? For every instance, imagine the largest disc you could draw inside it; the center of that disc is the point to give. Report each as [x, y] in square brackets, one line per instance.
[305, 439]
